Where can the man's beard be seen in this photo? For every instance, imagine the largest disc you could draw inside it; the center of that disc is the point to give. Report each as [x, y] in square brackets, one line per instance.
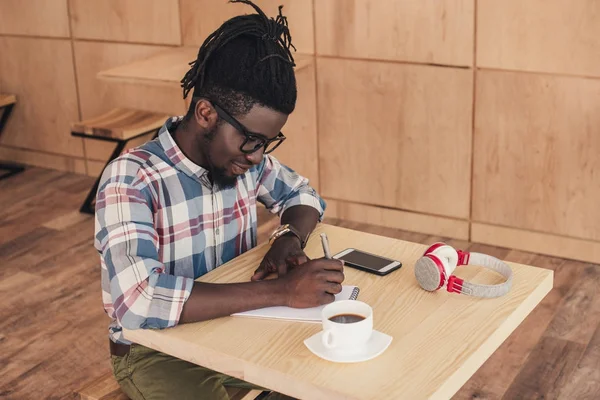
[221, 179]
[218, 175]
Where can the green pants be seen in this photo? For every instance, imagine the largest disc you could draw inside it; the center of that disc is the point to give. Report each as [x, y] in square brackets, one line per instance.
[146, 374]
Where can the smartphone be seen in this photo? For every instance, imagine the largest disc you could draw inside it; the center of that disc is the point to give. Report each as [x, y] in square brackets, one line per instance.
[368, 262]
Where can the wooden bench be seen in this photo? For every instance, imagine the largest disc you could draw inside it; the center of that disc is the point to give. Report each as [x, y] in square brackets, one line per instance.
[7, 102]
[119, 126]
[107, 388]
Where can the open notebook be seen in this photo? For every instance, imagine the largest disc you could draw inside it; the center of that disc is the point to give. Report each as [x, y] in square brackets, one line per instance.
[300, 314]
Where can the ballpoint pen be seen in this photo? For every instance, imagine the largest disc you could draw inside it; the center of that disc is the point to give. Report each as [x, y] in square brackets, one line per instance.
[325, 244]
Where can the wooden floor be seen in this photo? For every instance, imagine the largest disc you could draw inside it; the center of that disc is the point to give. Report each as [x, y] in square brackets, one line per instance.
[53, 336]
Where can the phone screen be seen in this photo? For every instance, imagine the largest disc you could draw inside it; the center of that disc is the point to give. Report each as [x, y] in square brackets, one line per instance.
[366, 260]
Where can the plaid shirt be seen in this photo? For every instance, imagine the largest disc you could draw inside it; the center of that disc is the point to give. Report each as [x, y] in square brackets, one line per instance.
[160, 224]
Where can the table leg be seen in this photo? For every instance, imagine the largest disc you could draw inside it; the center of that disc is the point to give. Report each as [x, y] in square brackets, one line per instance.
[12, 168]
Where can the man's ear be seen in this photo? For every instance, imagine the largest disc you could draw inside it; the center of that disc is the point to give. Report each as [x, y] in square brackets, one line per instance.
[205, 114]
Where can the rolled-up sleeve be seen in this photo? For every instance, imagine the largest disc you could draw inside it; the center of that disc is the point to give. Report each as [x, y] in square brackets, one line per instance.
[136, 291]
[280, 188]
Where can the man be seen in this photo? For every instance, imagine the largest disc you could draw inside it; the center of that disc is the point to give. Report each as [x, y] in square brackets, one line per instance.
[185, 203]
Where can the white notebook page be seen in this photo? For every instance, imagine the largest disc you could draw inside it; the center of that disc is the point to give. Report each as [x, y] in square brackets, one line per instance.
[300, 314]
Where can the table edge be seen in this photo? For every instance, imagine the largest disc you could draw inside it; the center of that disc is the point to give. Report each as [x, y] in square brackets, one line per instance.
[303, 61]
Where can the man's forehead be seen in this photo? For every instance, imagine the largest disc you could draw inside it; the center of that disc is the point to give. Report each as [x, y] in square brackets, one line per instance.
[263, 120]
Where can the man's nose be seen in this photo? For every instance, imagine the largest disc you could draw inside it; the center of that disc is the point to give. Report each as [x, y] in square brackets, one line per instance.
[256, 157]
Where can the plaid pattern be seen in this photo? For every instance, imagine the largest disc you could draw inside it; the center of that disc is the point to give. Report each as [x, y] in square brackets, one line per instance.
[160, 224]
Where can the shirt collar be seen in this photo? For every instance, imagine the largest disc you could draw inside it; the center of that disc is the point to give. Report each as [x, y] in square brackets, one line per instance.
[174, 153]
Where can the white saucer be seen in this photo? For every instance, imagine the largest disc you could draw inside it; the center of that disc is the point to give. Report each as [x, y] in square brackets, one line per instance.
[374, 347]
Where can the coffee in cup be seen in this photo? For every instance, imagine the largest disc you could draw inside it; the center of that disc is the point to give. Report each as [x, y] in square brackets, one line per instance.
[346, 318]
[347, 324]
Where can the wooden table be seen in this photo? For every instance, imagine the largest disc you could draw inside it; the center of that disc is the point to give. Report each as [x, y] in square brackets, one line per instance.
[439, 339]
[168, 68]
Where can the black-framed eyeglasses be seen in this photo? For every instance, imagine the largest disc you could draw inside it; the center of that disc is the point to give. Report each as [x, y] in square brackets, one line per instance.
[252, 141]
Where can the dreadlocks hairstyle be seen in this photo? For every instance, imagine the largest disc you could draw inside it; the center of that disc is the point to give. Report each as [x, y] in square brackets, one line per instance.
[244, 62]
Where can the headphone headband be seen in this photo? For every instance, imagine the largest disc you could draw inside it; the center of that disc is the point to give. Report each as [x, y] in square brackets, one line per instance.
[458, 285]
[435, 269]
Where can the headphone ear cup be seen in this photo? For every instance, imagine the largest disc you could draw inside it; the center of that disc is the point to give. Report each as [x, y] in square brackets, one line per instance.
[430, 272]
[450, 255]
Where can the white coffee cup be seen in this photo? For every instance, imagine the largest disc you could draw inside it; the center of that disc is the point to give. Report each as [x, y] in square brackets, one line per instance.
[346, 336]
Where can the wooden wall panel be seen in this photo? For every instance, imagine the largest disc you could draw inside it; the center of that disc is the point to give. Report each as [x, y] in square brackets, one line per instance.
[429, 31]
[397, 219]
[536, 242]
[199, 18]
[537, 153]
[34, 17]
[299, 151]
[561, 36]
[140, 21]
[44, 160]
[395, 135]
[98, 96]
[40, 72]
[95, 168]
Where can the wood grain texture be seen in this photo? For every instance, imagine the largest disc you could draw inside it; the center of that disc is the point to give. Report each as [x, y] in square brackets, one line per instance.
[104, 388]
[427, 31]
[95, 168]
[578, 316]
[166, 67]
[584, 382]
[139, 21]
[557, 36]
[7, 99]
[40, 73]
[34, 17]
[65, 220]
[300, 149]
[400, 133]
[120, 124]
[52, 300]
[199, 18]
[536, 138]
[543, 380]
[271, 353]
[39, 352]
[99, 96]
[395, 232]
[27, 245]
[537, 242]
[398, 219]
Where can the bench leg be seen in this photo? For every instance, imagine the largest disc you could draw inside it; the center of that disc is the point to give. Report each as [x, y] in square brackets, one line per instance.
[87, 206]
[12, 168]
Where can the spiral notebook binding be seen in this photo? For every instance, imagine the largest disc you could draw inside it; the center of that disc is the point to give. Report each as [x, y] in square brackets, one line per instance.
[354, 294]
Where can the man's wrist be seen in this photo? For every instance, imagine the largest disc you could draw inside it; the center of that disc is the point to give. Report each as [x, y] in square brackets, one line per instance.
[285, 231]
[280, 290]
[288, 238]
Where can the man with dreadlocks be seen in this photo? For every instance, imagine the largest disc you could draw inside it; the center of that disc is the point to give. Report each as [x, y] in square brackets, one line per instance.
[184, 203]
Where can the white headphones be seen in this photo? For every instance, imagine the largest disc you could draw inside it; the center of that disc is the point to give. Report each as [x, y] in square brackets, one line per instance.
[435, 268]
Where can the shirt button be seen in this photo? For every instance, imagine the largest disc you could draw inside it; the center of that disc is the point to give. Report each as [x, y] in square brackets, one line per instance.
[217, 231]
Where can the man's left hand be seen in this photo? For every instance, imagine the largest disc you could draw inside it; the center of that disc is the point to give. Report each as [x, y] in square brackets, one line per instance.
[285, 253]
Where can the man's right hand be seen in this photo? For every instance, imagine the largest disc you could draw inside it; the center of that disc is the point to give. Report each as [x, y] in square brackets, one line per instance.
[314, 283]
